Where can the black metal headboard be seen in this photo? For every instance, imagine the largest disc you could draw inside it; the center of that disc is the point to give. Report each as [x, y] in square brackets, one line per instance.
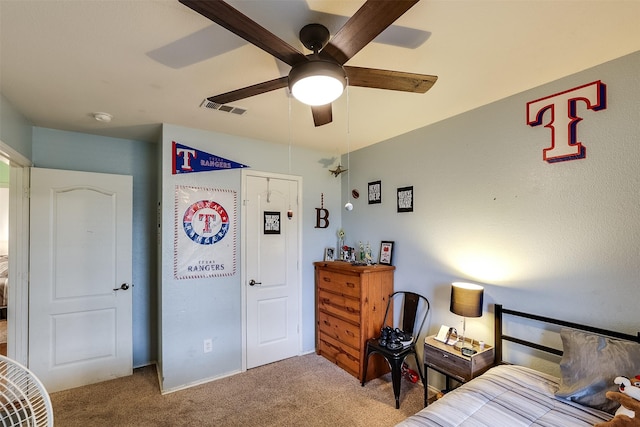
[500, 337]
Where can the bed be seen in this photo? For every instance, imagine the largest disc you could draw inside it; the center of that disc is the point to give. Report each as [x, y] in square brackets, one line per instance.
[511, 395]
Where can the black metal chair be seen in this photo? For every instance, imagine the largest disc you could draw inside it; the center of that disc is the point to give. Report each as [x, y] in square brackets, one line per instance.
[397, 341]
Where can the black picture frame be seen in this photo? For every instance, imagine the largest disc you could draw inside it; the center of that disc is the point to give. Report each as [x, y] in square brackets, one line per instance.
[386, 252]
[272, 222]
[405, 199]
[375, 192]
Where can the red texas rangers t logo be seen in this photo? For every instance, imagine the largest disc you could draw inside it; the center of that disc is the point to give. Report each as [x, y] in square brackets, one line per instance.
[205, 222]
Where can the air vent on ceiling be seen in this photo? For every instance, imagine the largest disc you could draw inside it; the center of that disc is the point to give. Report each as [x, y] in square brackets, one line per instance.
[222, 107]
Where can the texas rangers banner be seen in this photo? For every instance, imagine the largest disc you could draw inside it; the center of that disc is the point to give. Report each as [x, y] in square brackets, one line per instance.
[187, 159]
[204, 243]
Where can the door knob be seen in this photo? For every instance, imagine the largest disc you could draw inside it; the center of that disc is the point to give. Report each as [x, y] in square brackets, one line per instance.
[123, 287]
[253, 283]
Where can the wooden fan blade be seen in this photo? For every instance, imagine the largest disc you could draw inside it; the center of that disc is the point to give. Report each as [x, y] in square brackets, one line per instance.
[322, 114]
[250, 91]
[390, 80]
[370, 20]
[241, 25]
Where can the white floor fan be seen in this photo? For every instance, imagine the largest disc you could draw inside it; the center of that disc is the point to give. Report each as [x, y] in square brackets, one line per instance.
[24, 401]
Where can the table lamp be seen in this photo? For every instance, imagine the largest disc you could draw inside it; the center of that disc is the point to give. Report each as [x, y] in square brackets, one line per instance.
[466, 301]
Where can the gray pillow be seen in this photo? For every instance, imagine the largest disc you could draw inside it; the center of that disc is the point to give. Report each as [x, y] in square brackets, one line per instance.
[589, 365]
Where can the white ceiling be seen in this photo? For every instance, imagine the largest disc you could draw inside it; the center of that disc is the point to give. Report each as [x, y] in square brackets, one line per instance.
[152, 61]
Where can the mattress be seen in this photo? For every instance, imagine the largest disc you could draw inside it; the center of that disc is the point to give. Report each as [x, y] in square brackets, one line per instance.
[506, 396]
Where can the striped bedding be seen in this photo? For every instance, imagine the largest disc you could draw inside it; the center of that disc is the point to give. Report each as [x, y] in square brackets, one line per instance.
[506, 396]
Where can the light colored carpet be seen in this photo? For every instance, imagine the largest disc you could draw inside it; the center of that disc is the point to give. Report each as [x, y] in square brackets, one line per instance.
[301, 391]
[3, 331]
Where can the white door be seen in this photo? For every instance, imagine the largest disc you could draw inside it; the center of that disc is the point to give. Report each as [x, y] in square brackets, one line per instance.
[272, 279]
[80, 291]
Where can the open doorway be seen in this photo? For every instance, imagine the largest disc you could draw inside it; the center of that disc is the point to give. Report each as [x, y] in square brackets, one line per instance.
[4, 251]
[14, 244]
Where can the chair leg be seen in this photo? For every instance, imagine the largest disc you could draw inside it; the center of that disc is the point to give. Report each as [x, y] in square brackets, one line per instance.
[423, 378]
[365, 367]
[396, 378]
[419, 369]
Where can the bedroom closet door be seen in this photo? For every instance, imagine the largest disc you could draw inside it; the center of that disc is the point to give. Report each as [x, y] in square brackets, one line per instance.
[80, 295]
[271, 267]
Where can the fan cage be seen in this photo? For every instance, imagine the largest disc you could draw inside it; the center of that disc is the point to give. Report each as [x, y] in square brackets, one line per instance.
[24, 401]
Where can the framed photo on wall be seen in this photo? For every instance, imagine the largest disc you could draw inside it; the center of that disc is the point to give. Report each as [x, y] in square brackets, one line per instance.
[405, 199]
[386, 253]
[375, 192]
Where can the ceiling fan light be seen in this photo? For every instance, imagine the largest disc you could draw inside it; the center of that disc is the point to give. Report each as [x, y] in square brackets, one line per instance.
[317, 82]
[317, 90]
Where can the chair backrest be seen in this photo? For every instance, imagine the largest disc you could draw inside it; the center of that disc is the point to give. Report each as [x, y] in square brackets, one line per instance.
[414, 309]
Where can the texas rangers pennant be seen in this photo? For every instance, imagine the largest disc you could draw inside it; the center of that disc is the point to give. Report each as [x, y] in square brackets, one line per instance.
[187, 159]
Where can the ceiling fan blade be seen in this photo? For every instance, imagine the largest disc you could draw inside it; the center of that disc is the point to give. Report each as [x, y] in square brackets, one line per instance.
[250, 91]
[226, 16]
[390, 80]
[322, 114]
[370, 20]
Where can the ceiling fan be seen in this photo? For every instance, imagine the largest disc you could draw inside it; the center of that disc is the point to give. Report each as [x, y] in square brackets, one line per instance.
[323, 72]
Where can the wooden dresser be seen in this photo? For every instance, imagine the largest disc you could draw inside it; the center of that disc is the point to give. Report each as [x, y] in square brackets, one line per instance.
[350, 306]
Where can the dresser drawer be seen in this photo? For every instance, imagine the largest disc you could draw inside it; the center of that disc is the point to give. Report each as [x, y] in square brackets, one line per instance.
[340, 283]
[350, 306]
[339, 329]
[339, 305]
[342, 355]
[457, 367]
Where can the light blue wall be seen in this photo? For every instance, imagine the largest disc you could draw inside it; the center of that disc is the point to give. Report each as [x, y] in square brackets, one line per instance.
[15, 129]
[193, 310]
[560, 239]
[56, 149]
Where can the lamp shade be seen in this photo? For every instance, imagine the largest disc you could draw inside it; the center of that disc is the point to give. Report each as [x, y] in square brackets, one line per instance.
[317, 82]
[466, 299]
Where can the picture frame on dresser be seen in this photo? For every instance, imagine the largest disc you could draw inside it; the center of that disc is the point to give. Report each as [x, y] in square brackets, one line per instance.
[386, 252]
[329, 254]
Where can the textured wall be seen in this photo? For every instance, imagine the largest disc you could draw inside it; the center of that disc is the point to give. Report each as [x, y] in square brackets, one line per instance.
[558, 239]
[15, 129]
